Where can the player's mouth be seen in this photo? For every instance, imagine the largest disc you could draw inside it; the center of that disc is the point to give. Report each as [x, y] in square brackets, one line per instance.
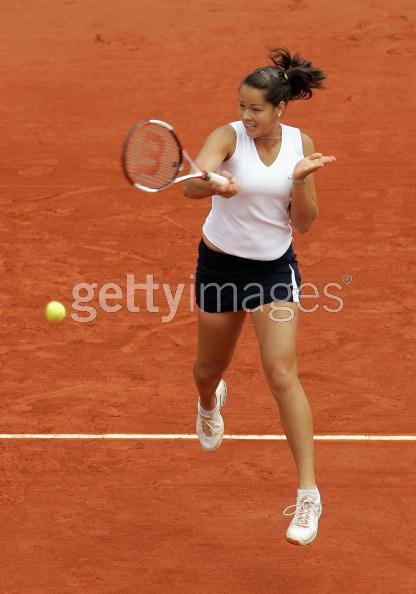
[250, 126]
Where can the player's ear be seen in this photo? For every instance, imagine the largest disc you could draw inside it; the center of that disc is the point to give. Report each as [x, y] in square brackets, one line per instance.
[276, 112]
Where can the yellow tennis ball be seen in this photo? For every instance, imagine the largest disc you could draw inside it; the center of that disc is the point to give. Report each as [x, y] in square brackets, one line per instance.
[55, 311]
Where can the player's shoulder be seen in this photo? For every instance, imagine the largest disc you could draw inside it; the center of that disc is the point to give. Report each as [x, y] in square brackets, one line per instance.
[307, 143]
[225, 132]
[224, 137]
[305, 137]
[294, 130]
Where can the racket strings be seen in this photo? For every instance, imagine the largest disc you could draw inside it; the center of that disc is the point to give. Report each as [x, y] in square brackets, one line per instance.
[153, 156]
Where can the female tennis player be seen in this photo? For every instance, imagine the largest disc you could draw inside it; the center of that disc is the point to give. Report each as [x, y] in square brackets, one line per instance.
[247, 263]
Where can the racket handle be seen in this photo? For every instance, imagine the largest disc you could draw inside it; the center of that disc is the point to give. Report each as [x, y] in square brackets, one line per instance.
[217, 179]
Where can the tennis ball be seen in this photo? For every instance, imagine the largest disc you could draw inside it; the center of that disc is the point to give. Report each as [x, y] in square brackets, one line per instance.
[55, 311]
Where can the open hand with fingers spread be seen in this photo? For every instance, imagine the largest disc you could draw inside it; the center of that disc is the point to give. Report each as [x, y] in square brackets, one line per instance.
[230, 190]
[310, 164]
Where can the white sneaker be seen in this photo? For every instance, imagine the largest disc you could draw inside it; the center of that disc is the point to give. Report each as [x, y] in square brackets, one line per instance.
[304, 526]
[210, 428]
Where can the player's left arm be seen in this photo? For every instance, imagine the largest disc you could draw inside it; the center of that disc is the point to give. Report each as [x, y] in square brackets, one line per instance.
[304, 201]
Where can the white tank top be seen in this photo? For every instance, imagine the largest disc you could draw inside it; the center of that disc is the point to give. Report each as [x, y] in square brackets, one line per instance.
[255, 223]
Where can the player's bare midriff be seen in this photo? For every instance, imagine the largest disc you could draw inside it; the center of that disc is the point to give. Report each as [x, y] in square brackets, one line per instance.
[211, 245]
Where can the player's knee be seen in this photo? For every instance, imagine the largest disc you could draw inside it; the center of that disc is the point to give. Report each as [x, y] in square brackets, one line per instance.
[281, 377]
[208, 372]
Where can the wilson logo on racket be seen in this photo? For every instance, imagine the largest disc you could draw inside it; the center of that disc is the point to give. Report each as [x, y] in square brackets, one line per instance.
[153, 156]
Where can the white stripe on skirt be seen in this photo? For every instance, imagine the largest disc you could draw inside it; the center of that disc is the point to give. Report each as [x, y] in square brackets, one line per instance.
[295, 288]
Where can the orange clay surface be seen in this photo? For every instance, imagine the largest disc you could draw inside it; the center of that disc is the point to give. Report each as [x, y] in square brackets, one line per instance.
[141, 517]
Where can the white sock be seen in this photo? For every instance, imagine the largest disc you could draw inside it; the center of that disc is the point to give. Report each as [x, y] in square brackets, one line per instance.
[309, 493]
[205, 413]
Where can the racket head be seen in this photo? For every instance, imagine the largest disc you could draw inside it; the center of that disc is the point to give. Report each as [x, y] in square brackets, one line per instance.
[152, 155]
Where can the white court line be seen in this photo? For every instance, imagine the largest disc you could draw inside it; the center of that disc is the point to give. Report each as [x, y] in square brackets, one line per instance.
[184, 436]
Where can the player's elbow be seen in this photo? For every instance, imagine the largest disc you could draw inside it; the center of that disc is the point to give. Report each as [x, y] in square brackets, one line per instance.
[304, 225]
[302, 229]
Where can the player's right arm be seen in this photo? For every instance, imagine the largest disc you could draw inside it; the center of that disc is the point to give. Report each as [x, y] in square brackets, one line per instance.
[218, 147]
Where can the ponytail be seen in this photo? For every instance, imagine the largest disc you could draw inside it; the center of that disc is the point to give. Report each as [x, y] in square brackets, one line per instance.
[301, 75]
[290, 78]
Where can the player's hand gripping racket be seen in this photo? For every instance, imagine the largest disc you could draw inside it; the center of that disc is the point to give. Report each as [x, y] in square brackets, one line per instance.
[153, 158]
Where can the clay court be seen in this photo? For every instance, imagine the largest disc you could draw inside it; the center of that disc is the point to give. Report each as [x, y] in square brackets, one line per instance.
[133, 515]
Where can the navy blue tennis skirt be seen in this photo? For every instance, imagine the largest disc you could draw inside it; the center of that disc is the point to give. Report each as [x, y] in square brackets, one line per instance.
[229, 283]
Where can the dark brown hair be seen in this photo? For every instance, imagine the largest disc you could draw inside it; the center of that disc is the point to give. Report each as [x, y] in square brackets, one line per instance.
[290, 77]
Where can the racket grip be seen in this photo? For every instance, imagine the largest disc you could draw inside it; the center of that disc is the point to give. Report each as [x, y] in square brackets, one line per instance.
[217, 179]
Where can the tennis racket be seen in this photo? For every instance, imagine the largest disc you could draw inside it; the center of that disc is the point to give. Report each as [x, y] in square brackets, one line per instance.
[153, 158]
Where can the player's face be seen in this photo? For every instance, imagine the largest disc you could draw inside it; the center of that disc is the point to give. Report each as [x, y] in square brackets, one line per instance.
[260, 118]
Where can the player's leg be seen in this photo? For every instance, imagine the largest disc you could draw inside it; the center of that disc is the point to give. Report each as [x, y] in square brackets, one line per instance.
[217, 337]
[276, 331]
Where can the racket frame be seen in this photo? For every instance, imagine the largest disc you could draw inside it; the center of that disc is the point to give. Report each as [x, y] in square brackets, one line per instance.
[196, 171]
